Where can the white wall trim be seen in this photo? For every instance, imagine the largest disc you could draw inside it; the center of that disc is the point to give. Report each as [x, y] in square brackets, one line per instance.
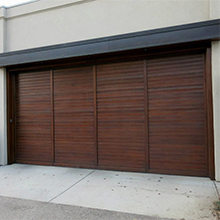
[216, 104]
[3, 118]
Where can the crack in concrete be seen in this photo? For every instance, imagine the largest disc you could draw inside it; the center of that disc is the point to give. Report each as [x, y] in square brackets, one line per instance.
[216, 189]
[71, 186]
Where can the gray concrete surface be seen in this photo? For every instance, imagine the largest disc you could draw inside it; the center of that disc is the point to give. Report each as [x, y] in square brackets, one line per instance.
[218, 188]
[20, 209]
[155, 195]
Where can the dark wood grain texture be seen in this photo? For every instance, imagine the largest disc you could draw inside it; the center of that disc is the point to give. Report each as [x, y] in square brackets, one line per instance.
[95, 115]
[177, 129]
[120, 105]
[33, 118]
[52, 115]
[146, 117]
[74, 116]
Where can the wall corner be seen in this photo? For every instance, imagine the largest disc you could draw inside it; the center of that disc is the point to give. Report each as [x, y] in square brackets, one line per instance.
[3, 118]
[3, 24]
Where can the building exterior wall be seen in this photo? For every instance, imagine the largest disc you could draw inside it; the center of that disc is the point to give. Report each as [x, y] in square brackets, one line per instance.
[35, 25]
[3, 116]
[3, 16]
[44, 23]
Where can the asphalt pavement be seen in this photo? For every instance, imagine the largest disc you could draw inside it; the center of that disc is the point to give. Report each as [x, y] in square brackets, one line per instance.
[22, 209]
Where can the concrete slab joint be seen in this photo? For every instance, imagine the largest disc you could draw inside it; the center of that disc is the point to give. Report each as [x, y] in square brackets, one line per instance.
[164, 196]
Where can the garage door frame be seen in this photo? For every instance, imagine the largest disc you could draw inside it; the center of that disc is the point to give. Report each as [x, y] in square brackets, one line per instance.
[116, 57]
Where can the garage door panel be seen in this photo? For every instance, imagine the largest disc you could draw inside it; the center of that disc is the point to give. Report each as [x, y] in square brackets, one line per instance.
[33, 113]
[131, 156]
[167, 99]
[170, 74]
[106, 152]
[121, 82]
[168, 164]
[79, 151]
[192, 170]
[164, 129]
[121, 117]
[74, 117]
[80, 97]
[177, 60]
[186, 79]
[81, 92]
[86, 119]
[24, 87]
[72, 109]
[179, 157]
[177, 125]
[158, 72]
[120, 105]
[183, 139]
[25, 100]
[168, 70]
[120, 70]
[78, 148]
[115, 94]
[76, 135]
[125, 133]
[181, 117]
[27, 94]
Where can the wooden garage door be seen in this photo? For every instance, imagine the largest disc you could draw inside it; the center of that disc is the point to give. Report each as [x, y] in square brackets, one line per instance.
[177, 125]
[146, 115]
[120, 105]
[33, 118]
[74, 117]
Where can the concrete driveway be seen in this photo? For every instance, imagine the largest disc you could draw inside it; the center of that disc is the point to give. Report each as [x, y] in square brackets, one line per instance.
[153, 195]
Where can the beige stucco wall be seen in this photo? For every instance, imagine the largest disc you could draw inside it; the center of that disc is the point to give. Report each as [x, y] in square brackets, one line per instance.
[35, 24]
[214, 9]
[3, 127]
[3, 15]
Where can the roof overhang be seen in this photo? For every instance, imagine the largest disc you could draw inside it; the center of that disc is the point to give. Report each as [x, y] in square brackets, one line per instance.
[194, 32]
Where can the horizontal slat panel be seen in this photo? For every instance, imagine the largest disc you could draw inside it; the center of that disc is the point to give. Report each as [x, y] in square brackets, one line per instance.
[33, 113]
[177, 124]
[120, 106]
[74, 116]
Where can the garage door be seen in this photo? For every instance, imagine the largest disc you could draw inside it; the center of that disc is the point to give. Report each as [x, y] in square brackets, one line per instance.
[146, 116]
